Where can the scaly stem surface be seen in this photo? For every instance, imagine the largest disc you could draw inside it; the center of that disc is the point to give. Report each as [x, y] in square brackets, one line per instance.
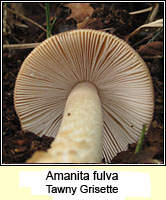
[80, 136]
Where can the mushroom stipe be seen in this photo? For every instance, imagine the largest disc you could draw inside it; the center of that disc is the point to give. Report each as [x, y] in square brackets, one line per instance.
[88, 89]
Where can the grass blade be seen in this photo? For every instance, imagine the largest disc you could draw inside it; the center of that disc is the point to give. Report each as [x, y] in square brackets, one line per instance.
[141, 139]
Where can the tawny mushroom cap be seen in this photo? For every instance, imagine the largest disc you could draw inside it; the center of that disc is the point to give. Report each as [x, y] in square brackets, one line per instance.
[90, 68]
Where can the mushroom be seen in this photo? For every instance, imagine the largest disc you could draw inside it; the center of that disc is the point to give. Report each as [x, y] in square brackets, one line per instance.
[90, 90]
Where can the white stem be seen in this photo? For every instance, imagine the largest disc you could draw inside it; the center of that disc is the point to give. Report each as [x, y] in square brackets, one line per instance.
[80, 136]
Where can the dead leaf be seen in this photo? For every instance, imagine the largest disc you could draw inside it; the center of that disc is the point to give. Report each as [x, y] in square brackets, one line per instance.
[92, 23]
[152, 49]
[80, 11]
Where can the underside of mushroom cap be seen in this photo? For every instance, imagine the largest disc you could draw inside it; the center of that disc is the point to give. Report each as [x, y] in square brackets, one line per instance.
[121, 77]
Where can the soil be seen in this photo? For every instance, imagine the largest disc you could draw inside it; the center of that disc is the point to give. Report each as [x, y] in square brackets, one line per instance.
[114, 18]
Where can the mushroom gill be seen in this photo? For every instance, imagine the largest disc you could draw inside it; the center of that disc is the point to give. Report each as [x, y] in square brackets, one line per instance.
[59, 64]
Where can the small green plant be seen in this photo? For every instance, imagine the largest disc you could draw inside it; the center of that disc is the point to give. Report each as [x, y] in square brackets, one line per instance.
[49, 24]
[141, 139]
